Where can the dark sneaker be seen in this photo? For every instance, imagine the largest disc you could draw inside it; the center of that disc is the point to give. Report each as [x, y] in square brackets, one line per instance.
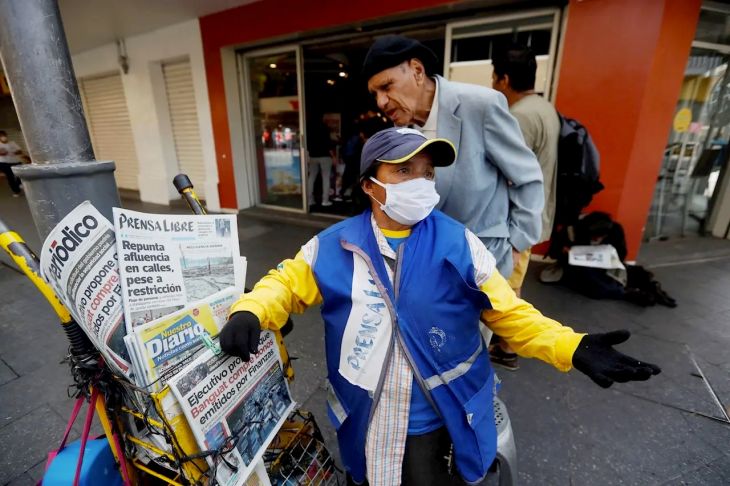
[506, 360]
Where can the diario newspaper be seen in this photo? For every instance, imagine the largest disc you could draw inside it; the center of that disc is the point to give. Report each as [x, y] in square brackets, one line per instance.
[161, 348]
[230, 402]
[79, 260]
[167, 261]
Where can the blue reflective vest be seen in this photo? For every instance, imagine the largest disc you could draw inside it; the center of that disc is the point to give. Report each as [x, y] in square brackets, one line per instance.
[435, 306]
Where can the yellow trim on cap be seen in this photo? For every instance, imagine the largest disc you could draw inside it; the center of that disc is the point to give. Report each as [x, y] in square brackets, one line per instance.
[420, 148]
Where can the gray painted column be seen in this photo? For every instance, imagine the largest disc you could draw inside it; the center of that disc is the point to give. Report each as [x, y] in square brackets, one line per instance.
[37, 63]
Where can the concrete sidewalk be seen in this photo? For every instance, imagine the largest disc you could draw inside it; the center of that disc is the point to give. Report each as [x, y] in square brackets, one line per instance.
[568, 430]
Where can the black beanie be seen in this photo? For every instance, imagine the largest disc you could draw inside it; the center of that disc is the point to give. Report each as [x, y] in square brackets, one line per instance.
[391, 50]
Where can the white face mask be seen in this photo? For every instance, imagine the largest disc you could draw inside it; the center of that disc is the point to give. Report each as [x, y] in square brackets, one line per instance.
[409, 202]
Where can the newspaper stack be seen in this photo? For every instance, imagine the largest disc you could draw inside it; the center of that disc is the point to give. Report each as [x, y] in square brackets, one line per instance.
[152, 292]
[161, 348]
[179, 276]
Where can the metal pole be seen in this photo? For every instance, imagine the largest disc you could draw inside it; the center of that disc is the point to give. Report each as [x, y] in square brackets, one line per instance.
[37, 63]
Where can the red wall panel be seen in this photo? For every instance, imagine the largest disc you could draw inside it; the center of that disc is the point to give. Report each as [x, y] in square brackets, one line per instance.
[268, 19]
[621, 72]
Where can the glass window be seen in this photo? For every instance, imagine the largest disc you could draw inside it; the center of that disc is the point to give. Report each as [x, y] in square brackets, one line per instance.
[713, 26]
[474, 44]
[275, 110]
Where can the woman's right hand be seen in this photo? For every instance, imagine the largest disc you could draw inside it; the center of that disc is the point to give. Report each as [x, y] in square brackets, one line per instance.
[240, 335]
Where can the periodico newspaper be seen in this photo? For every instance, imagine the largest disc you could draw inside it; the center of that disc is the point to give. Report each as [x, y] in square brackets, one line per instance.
[235, 406]
[79, 260]
[168, 261]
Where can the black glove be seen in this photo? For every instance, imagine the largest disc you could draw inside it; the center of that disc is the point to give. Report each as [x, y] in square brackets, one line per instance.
[240, 335]
[596, 358]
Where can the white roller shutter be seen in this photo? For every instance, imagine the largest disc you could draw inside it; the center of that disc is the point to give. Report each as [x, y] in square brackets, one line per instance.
[109, 126]
[184, 120]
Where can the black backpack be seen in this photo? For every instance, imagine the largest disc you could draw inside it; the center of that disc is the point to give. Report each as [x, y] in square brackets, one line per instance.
[578, 172]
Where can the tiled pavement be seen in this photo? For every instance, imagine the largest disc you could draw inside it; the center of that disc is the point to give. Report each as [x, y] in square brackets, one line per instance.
[568, 431]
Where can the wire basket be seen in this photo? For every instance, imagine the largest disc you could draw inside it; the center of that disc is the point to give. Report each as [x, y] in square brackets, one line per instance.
[298, 455]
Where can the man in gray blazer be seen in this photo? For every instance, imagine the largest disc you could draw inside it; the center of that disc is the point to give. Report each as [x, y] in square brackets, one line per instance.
[495, 187]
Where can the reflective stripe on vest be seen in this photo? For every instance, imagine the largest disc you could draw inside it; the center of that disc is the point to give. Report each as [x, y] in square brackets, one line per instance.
[459, 370]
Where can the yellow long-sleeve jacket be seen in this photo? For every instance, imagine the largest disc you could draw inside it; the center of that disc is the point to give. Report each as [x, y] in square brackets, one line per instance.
[292, 288]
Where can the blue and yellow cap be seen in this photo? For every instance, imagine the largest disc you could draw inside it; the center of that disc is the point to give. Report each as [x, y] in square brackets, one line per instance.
[396, 145]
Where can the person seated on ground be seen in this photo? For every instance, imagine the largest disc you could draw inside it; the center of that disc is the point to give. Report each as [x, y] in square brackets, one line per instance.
[402, 289]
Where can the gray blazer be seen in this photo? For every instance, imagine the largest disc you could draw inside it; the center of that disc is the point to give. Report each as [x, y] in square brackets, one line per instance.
[495, 186]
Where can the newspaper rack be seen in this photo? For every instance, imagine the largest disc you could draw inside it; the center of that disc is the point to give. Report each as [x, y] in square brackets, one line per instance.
[297, 456]
[158, 442]
[190, 469]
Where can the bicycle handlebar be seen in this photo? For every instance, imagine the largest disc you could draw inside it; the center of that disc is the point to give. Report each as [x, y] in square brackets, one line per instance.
[185, 188]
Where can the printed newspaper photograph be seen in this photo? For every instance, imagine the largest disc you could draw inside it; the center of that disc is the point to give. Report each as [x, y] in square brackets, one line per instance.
[79, 261]
[234, 407]
[167, 261]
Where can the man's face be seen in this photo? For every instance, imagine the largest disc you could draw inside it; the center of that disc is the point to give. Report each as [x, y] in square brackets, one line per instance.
[3, 139]
[397, 90]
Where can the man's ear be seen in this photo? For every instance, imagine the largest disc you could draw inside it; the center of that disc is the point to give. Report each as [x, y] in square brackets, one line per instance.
[419, 71]
[505, 81]
[367, 186]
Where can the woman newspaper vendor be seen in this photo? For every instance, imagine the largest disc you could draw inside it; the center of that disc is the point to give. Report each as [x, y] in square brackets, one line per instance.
[403, 289]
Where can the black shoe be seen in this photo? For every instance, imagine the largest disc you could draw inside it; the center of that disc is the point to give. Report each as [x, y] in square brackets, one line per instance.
[639, 297]
[506, 360]
[662, 297]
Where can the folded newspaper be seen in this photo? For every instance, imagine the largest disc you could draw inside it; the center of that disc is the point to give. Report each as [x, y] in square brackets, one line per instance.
[595, 256]
[168, 261]
[79, 261]
[234, 407]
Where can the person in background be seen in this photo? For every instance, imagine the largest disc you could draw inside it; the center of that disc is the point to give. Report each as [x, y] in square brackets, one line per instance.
[514, 76]
[404, 290]
[351, 150]
[368, 124]
[10, 155]
[322, 156]
[495, 186]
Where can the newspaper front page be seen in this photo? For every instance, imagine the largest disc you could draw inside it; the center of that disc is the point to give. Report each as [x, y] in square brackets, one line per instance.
[595, 256]
[164, 346]
[169, 261]
[228, 401]
[79, 260]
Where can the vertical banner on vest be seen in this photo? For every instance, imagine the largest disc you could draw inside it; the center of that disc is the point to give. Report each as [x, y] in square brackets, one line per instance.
[368, 332]
[79, 260]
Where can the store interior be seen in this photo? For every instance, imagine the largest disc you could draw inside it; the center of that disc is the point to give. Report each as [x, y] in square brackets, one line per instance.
[689, 194]
[335, 90]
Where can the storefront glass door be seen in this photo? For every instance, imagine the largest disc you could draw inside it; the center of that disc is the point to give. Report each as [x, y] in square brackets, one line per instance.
[273, 98]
